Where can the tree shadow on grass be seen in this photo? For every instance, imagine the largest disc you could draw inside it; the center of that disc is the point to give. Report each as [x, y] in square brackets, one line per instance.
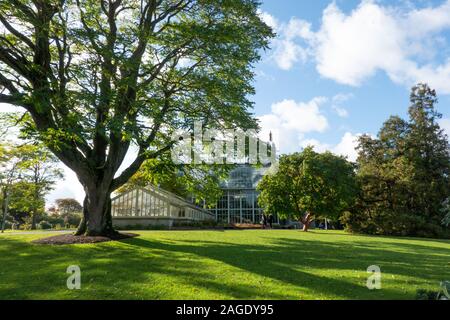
[380, 237]
[291, 261]
[39, 271]
[143, 268]
[402, 259]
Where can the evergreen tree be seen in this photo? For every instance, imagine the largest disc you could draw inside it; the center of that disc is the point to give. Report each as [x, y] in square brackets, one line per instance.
[404, 173]
[428, 152]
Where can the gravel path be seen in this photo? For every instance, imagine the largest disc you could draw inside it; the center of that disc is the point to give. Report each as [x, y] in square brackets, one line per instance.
[36, 232]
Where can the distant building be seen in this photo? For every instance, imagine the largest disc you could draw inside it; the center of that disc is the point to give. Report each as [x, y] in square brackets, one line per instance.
[154, 206]
[239, 203]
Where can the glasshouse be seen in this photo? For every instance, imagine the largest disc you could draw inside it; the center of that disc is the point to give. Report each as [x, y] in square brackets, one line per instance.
[239, 202]
[154, 206]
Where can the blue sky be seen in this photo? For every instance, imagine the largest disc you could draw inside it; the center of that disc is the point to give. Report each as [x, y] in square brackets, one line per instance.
[364, 54]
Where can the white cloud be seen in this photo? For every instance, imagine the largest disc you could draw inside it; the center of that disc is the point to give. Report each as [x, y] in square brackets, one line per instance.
[290, 120]
[298, 28]
[342, 97]
[337, 102]
[346, 147]
[269, 19]
[300, 116]
[350, 48]
[287, 53]
[341, 112]
[318, 146]
[429, 19]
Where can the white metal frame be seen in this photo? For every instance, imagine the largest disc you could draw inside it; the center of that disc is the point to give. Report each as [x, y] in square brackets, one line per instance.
[153, 202]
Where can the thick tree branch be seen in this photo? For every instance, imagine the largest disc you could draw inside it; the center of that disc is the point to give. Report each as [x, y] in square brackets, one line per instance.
[108, 70]
[4, 98]
[134, 167]
[18, 64]
[7, 83]
[27, 11]
[16, 33]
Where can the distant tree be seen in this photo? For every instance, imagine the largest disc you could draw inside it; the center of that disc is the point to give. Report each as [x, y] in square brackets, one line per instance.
[309, 184]
[384, 176]
[96, 77]
[53, 211]
[429, 153]
[39, 167]
[70, 210]
[32, 171]
[446, 213]
[9, 172]
[404, 173]
[23, 205]
[68, 205]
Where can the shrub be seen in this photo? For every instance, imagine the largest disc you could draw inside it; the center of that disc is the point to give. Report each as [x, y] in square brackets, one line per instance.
[445, 291]
[72, 219]
[423, 294]
[197, 224]
[44, 225]
[446, 220]
[384, 222]
[157, 227]
[54, 220]
[142, 227]
[8, 225]
[25, 226]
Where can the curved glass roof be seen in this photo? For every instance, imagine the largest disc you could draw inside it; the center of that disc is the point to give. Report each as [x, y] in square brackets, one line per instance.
[244, 177]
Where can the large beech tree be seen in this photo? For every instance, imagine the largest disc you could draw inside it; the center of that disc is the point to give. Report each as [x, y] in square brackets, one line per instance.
[98, 76]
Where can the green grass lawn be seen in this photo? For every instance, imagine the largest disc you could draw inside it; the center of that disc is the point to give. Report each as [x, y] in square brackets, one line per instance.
[224, 265]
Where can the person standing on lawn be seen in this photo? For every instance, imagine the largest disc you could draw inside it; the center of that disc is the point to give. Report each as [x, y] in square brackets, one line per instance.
[270, 220]
[264, 221]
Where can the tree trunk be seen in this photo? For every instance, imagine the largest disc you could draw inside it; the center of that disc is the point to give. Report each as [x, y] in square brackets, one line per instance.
[4, 208]
[36, 199]
[82, 226]
[33, 221]
[97, 219]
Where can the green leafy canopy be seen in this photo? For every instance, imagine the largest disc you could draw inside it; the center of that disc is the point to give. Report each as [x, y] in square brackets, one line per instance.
[309, 182]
